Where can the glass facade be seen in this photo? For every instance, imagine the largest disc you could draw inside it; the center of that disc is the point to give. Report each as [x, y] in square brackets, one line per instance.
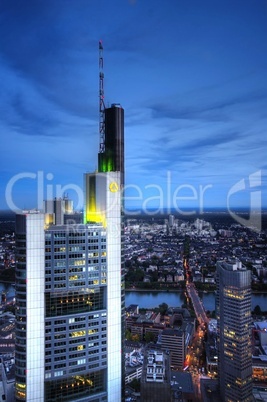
[112, 159]
[78, 386]
[233, 308]
[75, 313]
[73, 338]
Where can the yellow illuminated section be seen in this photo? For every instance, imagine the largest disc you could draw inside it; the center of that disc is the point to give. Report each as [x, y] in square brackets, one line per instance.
[73, 277]
[76, 334]
[84, 380]
[20, 390]
[97, 217]
[93, 215]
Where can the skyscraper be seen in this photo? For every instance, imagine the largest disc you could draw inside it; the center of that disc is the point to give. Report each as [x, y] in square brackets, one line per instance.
[233, 309]
[70, 290]
[70, 303]
[104, 205]
[61, 290]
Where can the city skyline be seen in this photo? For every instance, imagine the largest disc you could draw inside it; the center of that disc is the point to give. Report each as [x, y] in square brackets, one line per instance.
[190, 77]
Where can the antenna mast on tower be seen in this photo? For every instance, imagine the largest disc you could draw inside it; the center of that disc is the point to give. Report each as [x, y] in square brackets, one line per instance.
[101, 100]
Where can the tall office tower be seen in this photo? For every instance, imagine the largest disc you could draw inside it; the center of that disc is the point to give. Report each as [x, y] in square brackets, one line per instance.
[171, 221]
[63, 343]
[103, 194]
[233, 309]
[70, 289]
[104, 204]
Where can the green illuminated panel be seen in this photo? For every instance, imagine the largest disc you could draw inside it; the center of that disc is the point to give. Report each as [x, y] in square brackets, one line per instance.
[106, 162]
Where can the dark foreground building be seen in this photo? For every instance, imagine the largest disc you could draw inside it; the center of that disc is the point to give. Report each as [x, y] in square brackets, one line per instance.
[156, 377]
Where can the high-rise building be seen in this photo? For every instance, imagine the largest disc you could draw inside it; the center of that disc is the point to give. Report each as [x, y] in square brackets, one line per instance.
[104, 204]
[70, 309]
[61, 291]
[233, 309]
[70, 288]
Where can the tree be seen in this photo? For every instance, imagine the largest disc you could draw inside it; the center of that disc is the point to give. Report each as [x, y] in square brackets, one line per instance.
[128, 335]
[136, 338]
[163, 307]
[154, 276]
[135, 384]
[257, 310]
[134, 275]
[149, 337]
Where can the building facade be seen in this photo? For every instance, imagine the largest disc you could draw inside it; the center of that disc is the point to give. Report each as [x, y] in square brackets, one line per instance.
[68, 291]
[70, 286]
[156, 377]
[30, 303]
[233, 309]
[173, 341]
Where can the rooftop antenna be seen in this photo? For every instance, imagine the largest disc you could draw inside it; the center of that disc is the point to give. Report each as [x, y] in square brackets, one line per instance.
[101, 100]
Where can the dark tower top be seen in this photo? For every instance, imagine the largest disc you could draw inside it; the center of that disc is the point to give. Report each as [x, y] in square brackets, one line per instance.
[112, 158]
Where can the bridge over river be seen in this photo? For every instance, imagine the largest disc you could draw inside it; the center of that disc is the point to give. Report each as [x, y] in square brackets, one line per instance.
[197, 303]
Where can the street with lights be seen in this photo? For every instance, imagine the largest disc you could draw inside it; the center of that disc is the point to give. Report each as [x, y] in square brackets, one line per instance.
[195, 359]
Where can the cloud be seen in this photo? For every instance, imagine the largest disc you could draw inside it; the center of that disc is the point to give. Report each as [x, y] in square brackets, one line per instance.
[195, 103]
[211, 110]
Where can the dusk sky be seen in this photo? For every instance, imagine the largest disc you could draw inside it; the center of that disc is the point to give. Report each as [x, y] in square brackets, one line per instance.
[191, 76]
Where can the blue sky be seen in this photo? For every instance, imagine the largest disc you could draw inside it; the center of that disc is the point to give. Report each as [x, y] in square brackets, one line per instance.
[190, 75]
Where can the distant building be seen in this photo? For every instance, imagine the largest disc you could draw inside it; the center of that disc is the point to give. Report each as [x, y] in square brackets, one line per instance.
[174, 341]
[171, 221]
[7, 334]
[175, 316]
[131, 310]
[210, 390]
[8, 378]
[211, 349]
[197, 276]
[182, 388]
[141, 324]
[209, 279]
[259, 357]
[233, 308]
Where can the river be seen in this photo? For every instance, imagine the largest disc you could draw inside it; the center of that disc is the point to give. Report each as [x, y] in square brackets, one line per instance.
[176, 299]
[146, 299]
